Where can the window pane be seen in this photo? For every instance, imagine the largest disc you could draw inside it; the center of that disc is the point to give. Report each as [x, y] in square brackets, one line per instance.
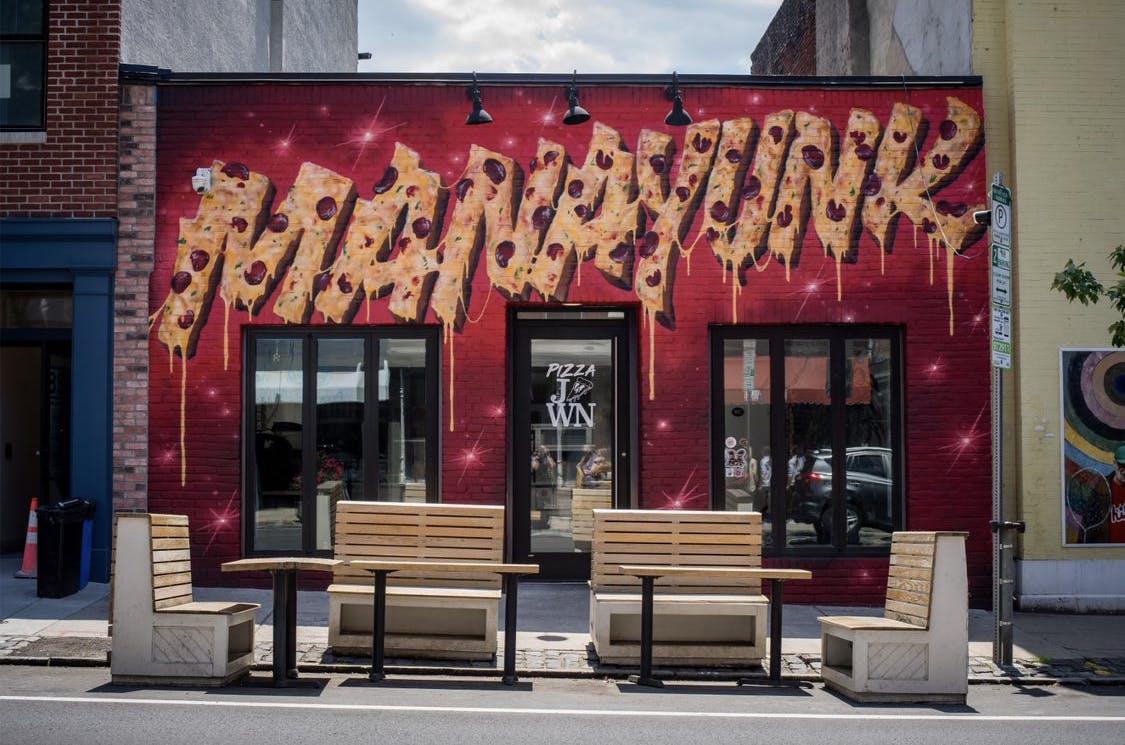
[21, 17]
[809, 431]
[340, 381]
[747, 465]
[402, 420]
[572, 439]
[278, 395]
[22, 309]
[870, 492]
[21, 84]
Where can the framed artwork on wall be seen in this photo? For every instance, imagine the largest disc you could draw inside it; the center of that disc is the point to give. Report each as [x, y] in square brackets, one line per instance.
[1093, 446]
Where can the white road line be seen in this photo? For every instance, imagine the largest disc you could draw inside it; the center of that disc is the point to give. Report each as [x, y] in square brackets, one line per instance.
[560, 712]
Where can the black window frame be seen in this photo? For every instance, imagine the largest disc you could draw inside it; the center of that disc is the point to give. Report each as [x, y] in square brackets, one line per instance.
[42, 39]
[310, 335]
[837, 336]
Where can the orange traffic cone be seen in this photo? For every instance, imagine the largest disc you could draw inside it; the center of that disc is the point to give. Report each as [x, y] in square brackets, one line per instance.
[30, 568]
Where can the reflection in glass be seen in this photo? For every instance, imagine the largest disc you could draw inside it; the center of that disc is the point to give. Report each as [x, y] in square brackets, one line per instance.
[20, 309]
[809, 431]
[747, 460]
[870, 508]
[402, 420]
[340, 380]
[572, 440]
[278, 396]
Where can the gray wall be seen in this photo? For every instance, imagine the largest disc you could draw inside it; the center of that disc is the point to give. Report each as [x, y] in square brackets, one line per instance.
[937, 35]
[241, 35]
[894, 37]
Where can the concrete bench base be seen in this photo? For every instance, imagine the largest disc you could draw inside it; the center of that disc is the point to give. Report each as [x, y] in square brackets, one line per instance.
[688, 629]
[431, 614]
[918, 653]
[464, 628]
[160, 634]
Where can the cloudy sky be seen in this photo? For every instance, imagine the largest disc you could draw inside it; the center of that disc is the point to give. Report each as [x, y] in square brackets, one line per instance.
[553, 36]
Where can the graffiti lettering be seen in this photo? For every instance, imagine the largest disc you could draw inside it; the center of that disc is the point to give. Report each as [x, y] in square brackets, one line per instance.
[760, 189]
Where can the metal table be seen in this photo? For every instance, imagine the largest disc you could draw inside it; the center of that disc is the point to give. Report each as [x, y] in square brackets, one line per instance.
[648, 573]
[284, 570]
[381, 568]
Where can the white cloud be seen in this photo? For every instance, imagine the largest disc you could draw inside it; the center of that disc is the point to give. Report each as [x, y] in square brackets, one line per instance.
[556, 36]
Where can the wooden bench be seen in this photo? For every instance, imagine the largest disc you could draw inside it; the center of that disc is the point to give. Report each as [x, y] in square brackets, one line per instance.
[919, 650]
[430, 614]
[159, 633]
[698, 619]
[583, 503]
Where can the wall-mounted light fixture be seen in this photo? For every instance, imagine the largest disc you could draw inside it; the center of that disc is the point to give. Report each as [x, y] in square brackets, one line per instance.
[478, 115]
[575, 114]
[677, 117]
[201, 181]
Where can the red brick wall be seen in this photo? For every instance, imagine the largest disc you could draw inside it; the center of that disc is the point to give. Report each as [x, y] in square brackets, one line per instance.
[136, 213]
[73, 173]
[352, 130]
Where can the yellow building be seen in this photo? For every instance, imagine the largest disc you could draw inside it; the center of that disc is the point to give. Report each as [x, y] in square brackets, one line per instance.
[1053, 74]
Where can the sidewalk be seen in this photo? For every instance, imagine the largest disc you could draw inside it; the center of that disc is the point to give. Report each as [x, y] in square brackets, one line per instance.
[553, 637]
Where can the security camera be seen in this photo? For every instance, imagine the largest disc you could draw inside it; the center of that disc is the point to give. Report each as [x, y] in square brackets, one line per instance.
[201, 181]
[982, 217]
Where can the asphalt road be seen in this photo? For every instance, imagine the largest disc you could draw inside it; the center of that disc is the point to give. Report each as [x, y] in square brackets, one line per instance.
[77, 705]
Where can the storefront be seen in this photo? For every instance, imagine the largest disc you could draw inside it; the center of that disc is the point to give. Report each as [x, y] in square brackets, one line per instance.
[56, 321]
[781, 305]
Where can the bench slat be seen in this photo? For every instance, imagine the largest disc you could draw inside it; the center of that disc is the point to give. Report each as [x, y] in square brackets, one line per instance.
[180, 520]
[676, 538]
[421, 591]
[404, 531]
[910, 577]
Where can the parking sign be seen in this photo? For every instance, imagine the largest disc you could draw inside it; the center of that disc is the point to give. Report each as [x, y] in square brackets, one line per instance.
[1001, 275]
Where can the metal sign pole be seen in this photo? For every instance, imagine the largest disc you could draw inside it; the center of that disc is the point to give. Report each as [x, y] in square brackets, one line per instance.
[1003, 554]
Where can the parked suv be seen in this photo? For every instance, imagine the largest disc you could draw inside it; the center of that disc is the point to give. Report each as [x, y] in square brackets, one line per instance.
[869, 493]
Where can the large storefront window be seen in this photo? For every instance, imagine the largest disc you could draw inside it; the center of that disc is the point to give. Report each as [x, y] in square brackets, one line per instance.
[820, 456]
[369, 401]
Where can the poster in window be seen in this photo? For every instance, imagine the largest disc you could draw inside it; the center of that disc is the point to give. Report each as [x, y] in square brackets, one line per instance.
[1093, 446]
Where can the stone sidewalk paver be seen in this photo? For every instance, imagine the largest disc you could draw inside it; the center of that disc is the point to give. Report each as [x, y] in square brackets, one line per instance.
[316, 657]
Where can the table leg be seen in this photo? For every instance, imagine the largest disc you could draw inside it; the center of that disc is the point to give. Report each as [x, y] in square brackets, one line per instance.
[774, 676]
[378, 628]
[776, 593]
[280, 633]
[645, 678]
[291, 623]
[511, 583]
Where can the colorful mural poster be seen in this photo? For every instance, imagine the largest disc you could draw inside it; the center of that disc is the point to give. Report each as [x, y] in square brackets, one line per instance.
[1093, 449]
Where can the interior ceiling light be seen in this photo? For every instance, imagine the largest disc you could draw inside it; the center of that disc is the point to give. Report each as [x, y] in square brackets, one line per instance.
[575, 114]
[677, 117]
[478, 115]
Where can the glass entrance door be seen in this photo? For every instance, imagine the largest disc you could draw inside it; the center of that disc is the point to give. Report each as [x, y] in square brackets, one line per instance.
[571, 449]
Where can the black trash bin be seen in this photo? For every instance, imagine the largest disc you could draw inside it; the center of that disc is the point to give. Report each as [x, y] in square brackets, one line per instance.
[64, 547]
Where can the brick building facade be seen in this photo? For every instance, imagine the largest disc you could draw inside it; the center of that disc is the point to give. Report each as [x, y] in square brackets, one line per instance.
[58, 240]
[866, 295]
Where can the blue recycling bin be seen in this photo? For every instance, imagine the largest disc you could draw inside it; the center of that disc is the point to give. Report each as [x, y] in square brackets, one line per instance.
[65, 538]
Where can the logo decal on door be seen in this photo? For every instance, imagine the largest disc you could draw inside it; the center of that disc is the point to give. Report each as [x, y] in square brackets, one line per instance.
[574, 382]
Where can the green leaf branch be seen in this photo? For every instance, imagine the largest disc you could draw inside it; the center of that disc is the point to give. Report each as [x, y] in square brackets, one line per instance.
[1077, 282]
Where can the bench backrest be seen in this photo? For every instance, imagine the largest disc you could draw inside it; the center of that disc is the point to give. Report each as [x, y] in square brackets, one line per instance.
[676, 538]
[171, 561]
[910, 581]
[426, 532]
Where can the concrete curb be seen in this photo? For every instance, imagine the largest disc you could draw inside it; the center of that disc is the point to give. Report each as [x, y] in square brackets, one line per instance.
[1093, 672]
